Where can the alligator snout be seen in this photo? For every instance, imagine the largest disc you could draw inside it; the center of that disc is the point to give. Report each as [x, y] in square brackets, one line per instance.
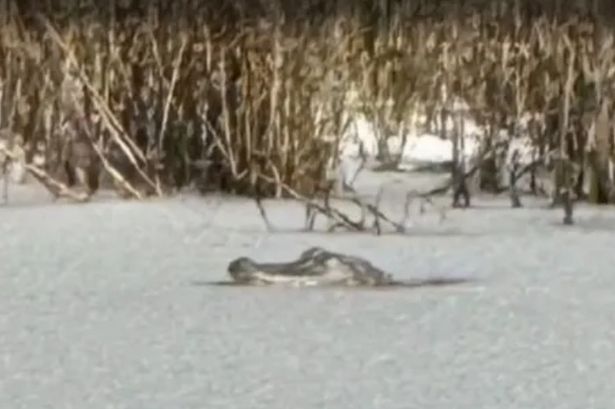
[242, 269]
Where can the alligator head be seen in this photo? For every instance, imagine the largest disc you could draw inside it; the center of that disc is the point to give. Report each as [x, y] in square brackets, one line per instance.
[315, 266]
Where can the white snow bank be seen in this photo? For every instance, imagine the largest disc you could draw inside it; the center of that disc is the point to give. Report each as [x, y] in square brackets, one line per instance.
[432, 148]
[525, 151]
[362, 136]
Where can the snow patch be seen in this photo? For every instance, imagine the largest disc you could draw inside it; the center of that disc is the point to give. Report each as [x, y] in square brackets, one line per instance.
[362, 138]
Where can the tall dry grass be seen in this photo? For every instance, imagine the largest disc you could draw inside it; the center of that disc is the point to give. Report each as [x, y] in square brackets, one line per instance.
[251, 97]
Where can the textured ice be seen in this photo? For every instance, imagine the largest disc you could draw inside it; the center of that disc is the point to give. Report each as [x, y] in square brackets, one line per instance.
[103, 306]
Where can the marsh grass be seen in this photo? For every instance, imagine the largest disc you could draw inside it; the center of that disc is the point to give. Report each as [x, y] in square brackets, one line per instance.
[250, 97]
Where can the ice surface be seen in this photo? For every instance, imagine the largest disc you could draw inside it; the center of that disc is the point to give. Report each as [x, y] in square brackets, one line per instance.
[103, 306]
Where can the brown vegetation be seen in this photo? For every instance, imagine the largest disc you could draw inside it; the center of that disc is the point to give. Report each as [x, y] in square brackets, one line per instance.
[251, 97]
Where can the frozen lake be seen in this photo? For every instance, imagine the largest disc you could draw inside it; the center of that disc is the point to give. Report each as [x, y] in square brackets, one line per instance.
[102, 306]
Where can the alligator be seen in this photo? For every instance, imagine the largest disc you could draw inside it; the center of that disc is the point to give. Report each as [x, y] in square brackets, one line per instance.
[315, 266]
[319, 267]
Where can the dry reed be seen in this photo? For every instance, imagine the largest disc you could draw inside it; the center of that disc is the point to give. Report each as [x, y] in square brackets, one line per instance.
[253, 97]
